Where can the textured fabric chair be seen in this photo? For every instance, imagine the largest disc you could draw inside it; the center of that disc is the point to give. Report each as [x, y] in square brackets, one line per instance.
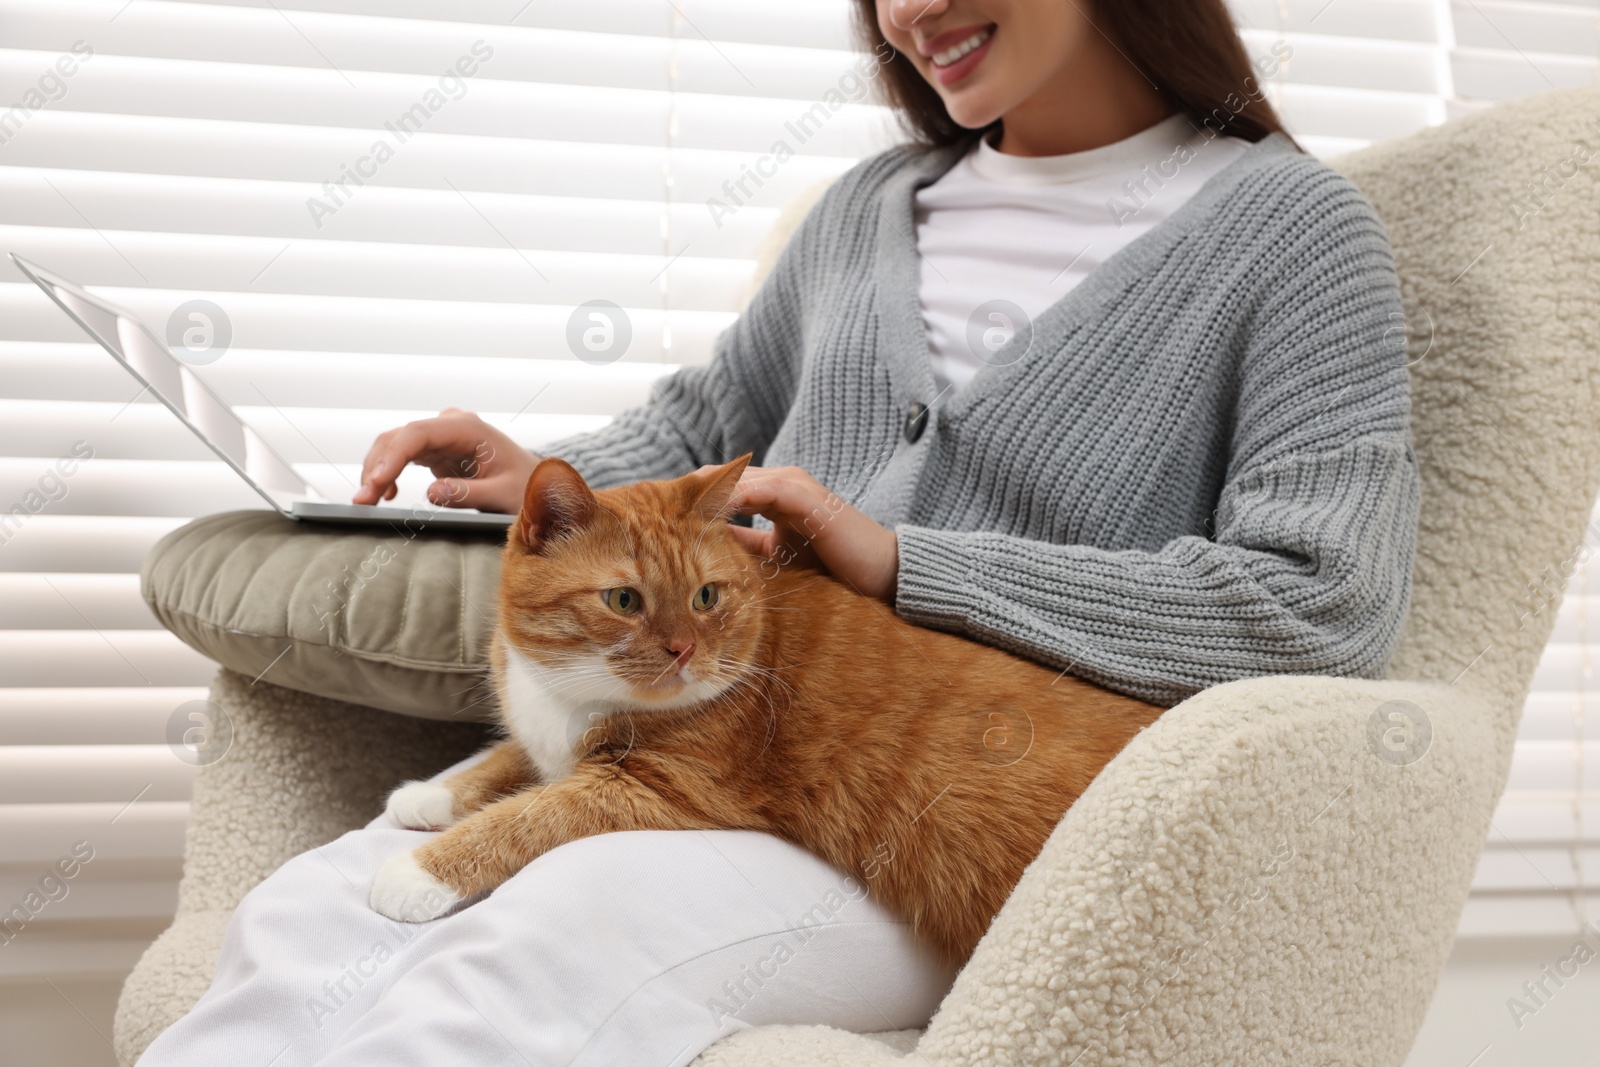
[1271, 874]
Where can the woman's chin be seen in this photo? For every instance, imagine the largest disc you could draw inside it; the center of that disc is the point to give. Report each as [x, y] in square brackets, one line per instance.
[972, 109]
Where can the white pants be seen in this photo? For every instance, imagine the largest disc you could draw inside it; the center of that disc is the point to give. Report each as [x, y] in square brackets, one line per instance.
[637, 949]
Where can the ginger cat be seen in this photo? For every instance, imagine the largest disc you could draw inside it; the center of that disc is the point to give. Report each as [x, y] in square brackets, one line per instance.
[654, 675]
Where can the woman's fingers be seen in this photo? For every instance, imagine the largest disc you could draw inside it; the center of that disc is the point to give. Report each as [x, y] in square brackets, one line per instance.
[758, 541]
[763, 490]
[455, 445]
[856, 548]
[392, 451]
[485, 494]
[370, 493]
[791, 499]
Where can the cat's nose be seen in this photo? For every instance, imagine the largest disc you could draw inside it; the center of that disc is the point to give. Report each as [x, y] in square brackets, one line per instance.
[681, 648]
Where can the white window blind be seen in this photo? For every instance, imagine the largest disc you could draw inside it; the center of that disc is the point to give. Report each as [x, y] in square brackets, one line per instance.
[537, 156]
[396, 206]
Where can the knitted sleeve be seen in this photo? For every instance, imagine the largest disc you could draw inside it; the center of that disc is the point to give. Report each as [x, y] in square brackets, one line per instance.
[716, 412]
[1308, 570]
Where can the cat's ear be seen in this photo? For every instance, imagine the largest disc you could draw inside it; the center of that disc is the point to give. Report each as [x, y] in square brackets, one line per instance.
[713, 489]
[557, 501]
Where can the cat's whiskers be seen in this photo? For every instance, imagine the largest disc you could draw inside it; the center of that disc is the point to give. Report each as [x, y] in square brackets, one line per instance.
[571, 675]
[481, 684]
[674, 665]
[485, 699]
[574, 675]
[749, 670]
[773, 680]
[574, 683]
[748, 679]
[568, 666]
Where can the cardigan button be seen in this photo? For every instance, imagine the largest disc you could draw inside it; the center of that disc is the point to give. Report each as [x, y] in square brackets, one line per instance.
[916, 422]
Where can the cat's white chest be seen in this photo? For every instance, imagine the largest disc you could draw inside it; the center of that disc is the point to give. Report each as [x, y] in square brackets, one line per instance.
[538, 707]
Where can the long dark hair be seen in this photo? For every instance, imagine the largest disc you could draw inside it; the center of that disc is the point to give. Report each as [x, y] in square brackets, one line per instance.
[1189, 49]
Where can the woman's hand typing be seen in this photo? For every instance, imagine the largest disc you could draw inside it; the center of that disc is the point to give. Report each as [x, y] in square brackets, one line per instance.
[476, 465]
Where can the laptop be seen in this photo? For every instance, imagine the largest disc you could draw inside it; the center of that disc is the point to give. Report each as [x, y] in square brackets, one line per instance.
[132, 344]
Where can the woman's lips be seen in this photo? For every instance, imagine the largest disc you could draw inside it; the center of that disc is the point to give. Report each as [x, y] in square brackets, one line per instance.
[966, 64]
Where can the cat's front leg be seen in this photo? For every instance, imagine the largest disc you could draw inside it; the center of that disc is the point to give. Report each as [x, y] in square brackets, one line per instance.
[506, 770]
[479, 853]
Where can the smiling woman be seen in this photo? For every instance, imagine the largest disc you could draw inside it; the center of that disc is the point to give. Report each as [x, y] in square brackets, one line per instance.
[1097, 372]
[960, 66]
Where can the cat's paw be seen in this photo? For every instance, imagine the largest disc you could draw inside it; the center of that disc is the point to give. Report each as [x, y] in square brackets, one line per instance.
[422, 806]
[403, 891]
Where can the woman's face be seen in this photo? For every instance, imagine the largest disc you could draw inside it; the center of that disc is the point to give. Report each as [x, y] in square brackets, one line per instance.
[987, 57]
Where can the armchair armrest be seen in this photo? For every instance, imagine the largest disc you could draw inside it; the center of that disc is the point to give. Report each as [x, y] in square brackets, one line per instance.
[1271, 873]
[372, 616]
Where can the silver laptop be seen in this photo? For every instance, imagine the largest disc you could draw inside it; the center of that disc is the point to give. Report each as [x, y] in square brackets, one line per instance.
[177, 386]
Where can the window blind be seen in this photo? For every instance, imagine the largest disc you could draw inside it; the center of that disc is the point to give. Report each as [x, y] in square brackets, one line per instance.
[394, 206]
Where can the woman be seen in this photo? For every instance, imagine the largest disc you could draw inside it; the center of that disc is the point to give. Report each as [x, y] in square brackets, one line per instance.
[1096, 372]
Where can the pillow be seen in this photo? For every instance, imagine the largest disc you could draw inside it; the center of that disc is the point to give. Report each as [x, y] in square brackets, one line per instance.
[376, 616]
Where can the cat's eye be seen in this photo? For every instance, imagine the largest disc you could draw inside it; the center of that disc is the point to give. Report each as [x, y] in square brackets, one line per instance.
[706, 598]
[623, 600]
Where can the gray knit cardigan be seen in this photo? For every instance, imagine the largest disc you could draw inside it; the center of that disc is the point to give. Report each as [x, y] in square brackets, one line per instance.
[1198, 468]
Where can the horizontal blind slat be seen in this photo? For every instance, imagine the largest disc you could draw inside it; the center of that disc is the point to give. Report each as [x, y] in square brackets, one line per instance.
[1553, 764]
[255, 151]
[77, 371]
[248, 38]
[72, 601]
[387, 105]
[388, 271]
[378, 324]
[102, 715]
[48, 429]
[83, 544]
[1494, 75]
[1349, 62]
[1544, 816]
[815, 23]
[1388, 20]
[31, 658]
[1529, 868]
[45, 197]
[101, 890]
[1525, 914]
[1572, 28]
[40, 833]
[76, 774]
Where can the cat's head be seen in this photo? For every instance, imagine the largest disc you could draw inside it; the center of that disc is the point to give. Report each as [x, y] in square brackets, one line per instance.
[636, 597]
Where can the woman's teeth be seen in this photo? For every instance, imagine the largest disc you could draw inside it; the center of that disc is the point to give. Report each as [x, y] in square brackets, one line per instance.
[955, 52]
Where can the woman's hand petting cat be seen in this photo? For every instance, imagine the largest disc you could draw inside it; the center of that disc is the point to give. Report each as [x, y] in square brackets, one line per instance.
[813, 524]
[476, 465]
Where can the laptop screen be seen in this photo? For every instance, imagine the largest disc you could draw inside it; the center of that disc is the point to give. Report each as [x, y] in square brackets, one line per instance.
[176, 385]
[183, 390]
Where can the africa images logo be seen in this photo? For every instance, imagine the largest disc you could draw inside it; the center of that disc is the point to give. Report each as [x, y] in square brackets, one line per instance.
[452, 85]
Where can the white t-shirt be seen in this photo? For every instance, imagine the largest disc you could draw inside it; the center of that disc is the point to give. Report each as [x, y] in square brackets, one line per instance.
[1002, 236]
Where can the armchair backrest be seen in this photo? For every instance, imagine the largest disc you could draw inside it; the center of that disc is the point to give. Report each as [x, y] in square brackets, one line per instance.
[1495, 223]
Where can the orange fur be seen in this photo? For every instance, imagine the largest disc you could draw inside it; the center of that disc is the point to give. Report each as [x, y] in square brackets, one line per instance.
[930, 766]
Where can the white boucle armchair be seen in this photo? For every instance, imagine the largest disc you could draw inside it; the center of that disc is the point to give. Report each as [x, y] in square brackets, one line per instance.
[1274, 871]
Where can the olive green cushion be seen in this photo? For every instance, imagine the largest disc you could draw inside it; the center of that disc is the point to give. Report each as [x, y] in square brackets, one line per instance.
[368, 616]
